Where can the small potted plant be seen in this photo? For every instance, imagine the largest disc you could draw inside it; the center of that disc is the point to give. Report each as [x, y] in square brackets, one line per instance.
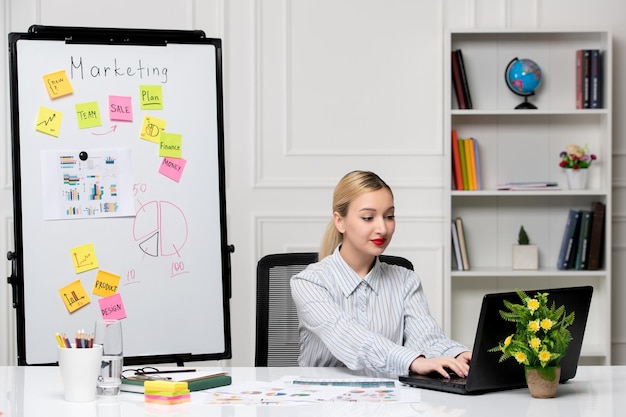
[539, 342]
[525, 255]
[576, 160]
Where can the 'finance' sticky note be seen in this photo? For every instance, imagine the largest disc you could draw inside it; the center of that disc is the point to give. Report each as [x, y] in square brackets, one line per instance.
[150, 97]
[84, 258]
[120, 108]
[152, 128]
[74, 296]
[112, 308]
[106, 284]
[88, 115]
[171, 145]
[49, 121]
[57, 84]
[172, 168]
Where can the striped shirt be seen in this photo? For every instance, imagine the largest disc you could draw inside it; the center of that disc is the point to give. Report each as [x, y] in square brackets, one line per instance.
[380, 322]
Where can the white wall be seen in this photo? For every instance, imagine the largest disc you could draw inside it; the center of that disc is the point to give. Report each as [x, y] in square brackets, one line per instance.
[313, 89]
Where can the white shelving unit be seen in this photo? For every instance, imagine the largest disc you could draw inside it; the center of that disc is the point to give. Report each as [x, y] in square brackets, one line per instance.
[524, 145]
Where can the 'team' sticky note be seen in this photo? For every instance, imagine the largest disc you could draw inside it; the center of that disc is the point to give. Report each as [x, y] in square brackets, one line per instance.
[88, 115]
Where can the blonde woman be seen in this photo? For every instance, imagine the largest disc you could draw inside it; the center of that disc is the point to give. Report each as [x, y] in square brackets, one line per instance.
[358, 312]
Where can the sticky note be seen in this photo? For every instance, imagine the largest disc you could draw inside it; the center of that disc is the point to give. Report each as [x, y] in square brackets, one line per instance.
[151, 97]
[120, 108]
[57, 84]
[84, 258]
[106, 284]
[151, 129]
[74, 296]
[49, 121]
[172, 168]
[171, 145]
[88, 115]
[112, 307]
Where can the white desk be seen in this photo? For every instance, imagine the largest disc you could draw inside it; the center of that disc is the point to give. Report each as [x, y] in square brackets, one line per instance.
[594, 392]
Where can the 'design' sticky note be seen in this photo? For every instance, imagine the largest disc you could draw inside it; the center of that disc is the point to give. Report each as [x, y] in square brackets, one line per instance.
[112, 308]
[171, 145]
[172, 168]
[151, 129]
[57, 84]
[74, 296]
[150, 97]
[49, 121]
[106, 284]
[88, 115]
[84, 258]
[120, 108]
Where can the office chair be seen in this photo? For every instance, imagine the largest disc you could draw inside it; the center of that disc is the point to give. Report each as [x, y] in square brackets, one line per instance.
[277, 337]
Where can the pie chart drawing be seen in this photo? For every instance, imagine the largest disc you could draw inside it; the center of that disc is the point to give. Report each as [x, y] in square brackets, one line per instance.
[160, 228]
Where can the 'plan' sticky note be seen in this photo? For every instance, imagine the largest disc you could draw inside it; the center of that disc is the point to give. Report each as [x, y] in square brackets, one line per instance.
[49, 121]
[84, 258]
[120, 108]
[171, 145]
[74, 296]
[88, 115]
[106, 284]
[152, 128]
[172, 168]
[150, 97]
[112, 308]
[57, 84]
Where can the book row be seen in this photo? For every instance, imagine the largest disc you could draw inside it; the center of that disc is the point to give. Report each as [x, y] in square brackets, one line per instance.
[588, 79]
[459, 81]
[583, 239]
[465, 164]
[459, 246]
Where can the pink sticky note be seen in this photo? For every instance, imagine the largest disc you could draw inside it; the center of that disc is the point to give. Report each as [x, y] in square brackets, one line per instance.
[172, 167]
[120, 108]
[112, 308]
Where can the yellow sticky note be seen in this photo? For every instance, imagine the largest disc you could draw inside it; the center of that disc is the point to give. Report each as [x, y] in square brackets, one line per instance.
[49, 121]
[171, 145]
[57, 84]
[74, 296]
[106, 284]
[88, 115]
[151, 129]
[84, 258]
[151, 97]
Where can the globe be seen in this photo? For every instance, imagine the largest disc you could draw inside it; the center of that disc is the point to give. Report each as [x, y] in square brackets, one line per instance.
[523, 77]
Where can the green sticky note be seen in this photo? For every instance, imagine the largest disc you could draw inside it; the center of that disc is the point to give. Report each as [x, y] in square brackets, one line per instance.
[171, 145]
[151, 97]
[88, 115]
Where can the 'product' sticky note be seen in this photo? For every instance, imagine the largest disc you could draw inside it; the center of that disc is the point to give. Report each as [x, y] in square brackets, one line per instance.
[106, 284]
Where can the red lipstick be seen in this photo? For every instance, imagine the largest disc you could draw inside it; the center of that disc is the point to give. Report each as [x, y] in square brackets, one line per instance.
[379, 242]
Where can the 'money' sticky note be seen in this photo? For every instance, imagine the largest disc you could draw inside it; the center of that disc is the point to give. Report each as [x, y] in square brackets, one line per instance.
[173, 168]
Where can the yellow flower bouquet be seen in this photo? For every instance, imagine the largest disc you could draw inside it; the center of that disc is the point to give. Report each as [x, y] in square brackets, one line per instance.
[541, 336]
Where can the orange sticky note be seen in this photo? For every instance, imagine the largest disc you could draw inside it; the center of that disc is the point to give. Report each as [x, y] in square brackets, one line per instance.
[88, 115]
[171, 145]
[106, 284]
[151, 97]
[57, 84]
[152, 128]
[74, 296]
[49, 121]
[84, 258]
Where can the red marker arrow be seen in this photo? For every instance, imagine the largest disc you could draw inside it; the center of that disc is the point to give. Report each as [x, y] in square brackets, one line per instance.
[112, 130]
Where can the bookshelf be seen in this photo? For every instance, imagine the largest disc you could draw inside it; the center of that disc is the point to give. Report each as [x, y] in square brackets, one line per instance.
[524, 146]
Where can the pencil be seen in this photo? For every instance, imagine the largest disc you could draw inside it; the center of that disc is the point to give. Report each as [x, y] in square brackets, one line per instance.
[59, 340]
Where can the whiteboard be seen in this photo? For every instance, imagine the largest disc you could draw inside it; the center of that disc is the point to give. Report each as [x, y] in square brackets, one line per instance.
[162, 234]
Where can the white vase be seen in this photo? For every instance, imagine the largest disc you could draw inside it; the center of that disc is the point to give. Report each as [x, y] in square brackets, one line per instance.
[576, 179]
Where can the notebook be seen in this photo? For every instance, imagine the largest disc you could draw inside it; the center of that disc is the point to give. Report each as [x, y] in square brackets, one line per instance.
[486, 372]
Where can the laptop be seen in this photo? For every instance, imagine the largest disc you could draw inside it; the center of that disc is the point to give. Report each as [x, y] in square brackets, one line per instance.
[487, 374]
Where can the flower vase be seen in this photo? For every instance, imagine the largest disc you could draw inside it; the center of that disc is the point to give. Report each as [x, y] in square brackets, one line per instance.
[576, 179]
[542, 382]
